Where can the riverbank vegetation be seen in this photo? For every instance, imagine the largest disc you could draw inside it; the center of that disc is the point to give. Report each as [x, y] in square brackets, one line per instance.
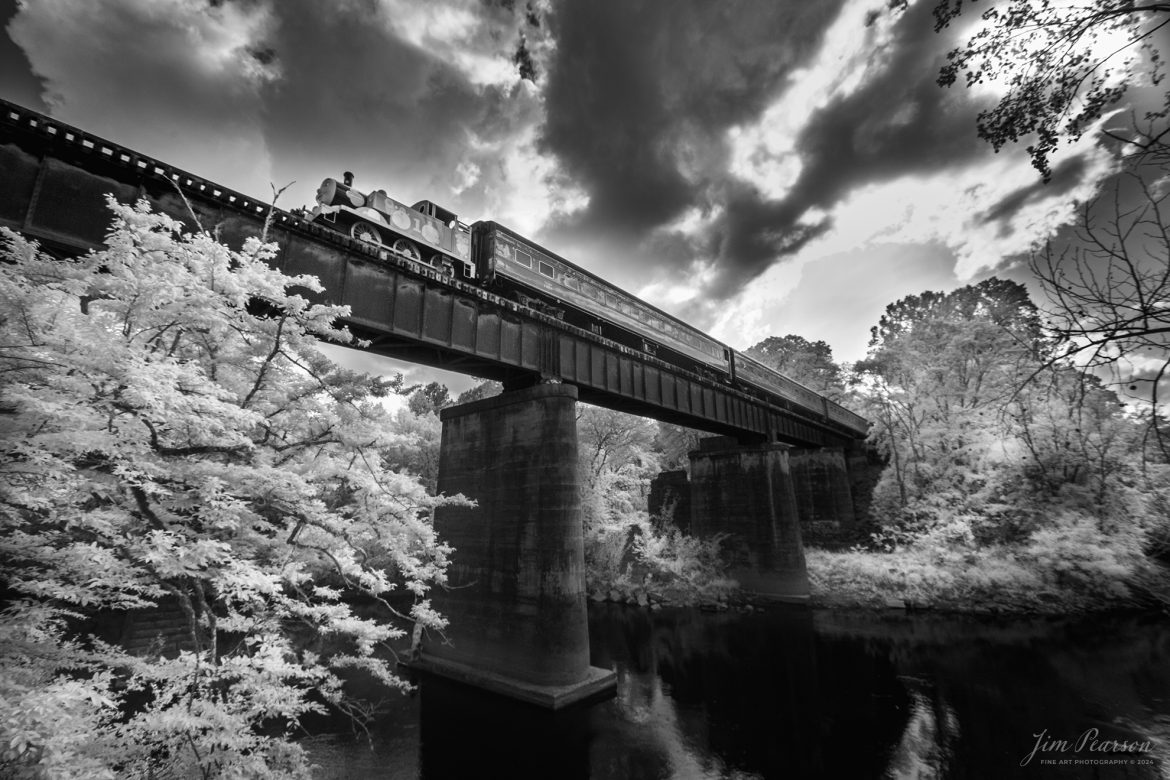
[1014, 479]
[1024, 447]
[1011, 480]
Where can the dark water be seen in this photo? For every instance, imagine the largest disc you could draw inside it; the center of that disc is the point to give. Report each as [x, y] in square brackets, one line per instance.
[793, 693]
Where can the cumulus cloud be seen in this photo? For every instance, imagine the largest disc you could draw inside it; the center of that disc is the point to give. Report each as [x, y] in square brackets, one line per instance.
[731, 147]
[799, 128]
[764, 152]
[707, 155]
[17, 81]
[957, 225]
[179, 79]
[419, 99]
[640, 94]
[865, 111]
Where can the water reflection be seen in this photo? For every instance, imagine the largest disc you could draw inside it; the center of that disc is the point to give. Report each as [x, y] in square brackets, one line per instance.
[983, 692]
[796, 693]
[924, 749]
[739, 696]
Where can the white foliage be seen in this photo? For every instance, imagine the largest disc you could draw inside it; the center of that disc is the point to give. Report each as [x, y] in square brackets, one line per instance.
[162, 439]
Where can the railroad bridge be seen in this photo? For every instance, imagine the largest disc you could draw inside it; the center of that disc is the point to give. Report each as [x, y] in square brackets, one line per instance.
[519, 627]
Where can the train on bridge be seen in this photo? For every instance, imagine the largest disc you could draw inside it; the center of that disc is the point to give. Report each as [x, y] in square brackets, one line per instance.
[474, 298]
[500, 260]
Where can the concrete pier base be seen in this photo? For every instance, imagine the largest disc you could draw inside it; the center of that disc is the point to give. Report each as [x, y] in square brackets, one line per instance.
[824, 500]
[516, 597]
[746, 491]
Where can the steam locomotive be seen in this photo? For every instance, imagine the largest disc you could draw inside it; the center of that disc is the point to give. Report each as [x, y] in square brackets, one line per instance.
[501, 260]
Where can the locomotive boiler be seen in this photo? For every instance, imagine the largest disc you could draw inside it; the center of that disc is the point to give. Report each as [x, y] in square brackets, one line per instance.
[423, 232]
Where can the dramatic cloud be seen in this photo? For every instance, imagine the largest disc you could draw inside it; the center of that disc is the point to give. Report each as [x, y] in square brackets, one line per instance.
[973, 220]
[713, 158]
[179, 79]
[17, 81]
[424, 100]
[414, 98]
[640, 95]
[747, 165]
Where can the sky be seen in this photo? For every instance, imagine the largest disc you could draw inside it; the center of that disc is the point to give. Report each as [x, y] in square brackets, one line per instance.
[756, 168]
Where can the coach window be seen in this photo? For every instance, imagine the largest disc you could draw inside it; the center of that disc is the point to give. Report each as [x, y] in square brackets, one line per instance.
[547, 269]
[523, 258]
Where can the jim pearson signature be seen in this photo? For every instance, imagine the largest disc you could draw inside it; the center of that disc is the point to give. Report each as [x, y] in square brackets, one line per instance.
[1088, 742]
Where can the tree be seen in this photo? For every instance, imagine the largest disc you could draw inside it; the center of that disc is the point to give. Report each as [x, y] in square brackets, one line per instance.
[419, 433]
[1107, 278]
[609, 439]
[486, 388]
[416, 446]
[1108, 287]
[431, 398]
[991, 436]
[941, 368]
[615, 463]
[808, 362]
[1064, 64]
[165, 444]
[1004, 304]
[674, 443]
[1073, 430]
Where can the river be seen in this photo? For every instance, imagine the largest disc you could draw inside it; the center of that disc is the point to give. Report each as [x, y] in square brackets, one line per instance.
[795, 693]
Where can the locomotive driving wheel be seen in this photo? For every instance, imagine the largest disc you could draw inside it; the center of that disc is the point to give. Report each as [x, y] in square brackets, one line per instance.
[363, 232]
[402, 246]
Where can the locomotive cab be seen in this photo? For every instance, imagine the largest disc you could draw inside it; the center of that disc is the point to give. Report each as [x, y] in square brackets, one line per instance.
[435, 211]
[450, 220]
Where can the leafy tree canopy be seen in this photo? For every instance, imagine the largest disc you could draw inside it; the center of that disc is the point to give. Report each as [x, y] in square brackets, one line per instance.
[608, 438]
[674, 443]
[808, 362]
[941, 367]
[431, 398]
[1064, 64]
[1004, 304]
[485, 389]
[163, 445]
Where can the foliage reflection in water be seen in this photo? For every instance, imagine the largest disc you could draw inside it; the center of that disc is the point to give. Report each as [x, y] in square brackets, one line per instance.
[800, 693]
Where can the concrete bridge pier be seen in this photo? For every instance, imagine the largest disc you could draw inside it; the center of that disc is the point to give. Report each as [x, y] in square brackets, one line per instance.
[747, 491]
[516, 596]
[824, 497]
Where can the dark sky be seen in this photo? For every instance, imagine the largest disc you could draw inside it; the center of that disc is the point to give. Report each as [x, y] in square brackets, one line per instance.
[759, 168]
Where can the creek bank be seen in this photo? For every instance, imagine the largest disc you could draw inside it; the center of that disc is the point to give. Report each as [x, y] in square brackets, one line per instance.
[982, 582]
[732, 599]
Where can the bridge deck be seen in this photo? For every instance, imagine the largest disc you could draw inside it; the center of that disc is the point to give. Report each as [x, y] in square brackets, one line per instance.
[56, 178]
